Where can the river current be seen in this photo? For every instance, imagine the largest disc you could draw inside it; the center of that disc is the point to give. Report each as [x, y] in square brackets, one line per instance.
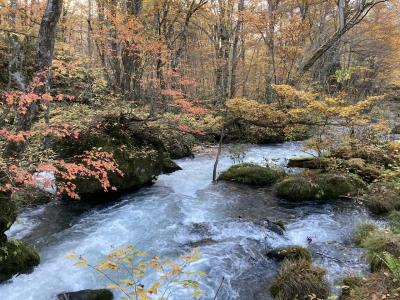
[226, 222]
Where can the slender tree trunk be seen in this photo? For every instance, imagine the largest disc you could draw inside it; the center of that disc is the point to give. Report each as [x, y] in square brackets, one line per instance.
[235, 57]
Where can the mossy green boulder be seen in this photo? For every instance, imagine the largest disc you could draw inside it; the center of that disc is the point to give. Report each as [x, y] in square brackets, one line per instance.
[251, 174]
[298, 279]
[30, 196]
[8, 215]
[291, 252]
[138, 153]
[318, 186]
[16, 258]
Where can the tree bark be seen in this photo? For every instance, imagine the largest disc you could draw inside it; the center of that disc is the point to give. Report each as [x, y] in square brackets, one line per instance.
[47, 34]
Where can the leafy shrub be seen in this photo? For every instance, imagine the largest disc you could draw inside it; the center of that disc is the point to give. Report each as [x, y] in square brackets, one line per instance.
[136, 265]
[251, 174]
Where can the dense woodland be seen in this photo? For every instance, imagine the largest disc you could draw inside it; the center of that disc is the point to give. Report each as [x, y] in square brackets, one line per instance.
[98, 97]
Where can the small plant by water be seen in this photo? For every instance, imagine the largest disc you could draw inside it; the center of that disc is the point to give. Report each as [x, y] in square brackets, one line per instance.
[127, 269]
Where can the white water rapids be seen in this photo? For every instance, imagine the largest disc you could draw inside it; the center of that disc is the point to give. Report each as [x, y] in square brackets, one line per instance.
[181, 210]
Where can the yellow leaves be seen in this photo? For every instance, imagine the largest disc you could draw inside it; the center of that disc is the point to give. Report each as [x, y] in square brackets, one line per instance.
[167, 275]
[71, 255]
[81, 263]
[154, 288]
[107, 265]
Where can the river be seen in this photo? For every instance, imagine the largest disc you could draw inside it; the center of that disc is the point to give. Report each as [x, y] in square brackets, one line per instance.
[183, 209]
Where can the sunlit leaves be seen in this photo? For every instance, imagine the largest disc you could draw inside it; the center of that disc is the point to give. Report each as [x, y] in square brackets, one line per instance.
[136, 267]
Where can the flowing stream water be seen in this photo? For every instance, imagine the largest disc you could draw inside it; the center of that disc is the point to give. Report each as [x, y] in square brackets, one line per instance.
[182, 210]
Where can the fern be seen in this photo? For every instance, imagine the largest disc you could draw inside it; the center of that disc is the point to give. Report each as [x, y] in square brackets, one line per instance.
[391, 262]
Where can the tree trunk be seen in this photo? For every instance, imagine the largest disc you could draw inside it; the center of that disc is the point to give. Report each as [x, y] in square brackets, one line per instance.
[47, 34]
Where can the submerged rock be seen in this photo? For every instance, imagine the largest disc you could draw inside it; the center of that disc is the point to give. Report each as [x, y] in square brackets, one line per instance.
[278, 227]
[251, 174]
[100, 294]
[16, 258]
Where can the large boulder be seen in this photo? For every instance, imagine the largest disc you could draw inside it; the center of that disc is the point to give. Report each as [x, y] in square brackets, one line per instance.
[318, 186]
[251, 174]
[16, 258]
[31, 196]
[8, 215]
[100, 294]
[139, 153]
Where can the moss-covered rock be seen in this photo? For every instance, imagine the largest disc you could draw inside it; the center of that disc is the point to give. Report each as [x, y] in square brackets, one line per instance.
[138, 153]
[358, 166]
[298, 279]
[170, 166]
[382, 198]
[100, 294]
[16, 258]
[30, 196]
[251, 174]
[177, 144]
[291, 252]
[318, 186]
[335, 185]
[298, 189]
[8, 215]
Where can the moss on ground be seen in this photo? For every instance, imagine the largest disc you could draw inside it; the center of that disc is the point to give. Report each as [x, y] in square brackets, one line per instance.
[251, 174]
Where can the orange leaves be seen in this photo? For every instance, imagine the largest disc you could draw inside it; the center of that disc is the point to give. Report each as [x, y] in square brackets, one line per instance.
[185, 128]
[18, 137]
[94, 164]
[61, 131]
[46, 98]
[188, 107]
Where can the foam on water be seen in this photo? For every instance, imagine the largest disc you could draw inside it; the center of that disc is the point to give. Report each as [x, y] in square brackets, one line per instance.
[181, 210]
